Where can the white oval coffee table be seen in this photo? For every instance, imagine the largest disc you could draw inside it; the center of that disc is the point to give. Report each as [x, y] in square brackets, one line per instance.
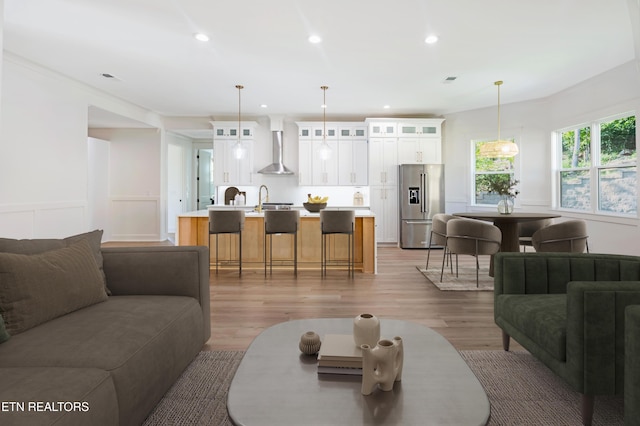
[276, 385]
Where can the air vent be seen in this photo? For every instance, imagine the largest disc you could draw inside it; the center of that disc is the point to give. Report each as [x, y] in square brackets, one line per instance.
[449, 80]
[107, 75]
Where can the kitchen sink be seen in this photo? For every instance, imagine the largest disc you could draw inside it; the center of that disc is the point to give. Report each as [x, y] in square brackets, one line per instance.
[276, 206]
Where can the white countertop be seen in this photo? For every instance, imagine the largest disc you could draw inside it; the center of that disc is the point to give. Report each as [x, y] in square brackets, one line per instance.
[250, 212]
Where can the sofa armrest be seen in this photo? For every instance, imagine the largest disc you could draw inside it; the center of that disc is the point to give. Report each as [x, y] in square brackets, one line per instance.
[160, 270]
[595, 332]
[632, 364]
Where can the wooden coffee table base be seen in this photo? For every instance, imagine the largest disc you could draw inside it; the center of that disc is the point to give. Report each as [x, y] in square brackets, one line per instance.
[276, 384]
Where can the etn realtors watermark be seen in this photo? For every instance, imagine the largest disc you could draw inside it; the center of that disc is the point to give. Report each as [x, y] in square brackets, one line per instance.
[44, 406]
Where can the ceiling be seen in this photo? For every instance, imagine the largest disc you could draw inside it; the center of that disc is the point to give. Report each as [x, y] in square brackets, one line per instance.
[372, 54]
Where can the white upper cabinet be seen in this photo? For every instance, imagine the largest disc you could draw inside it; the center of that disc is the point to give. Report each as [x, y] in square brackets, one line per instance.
[432, 129]
[228, 169]
[383, 129]
[420, 141]
[347, 163]
[353, 156]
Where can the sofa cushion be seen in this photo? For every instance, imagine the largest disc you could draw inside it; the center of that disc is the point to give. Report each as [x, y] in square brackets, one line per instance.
[88, 396]
[541, 317]
[140, 340]
[37, 246]
[4, 334]
[37, 288]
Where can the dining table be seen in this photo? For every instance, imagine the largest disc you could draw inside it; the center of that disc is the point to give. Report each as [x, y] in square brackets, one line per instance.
[508, 225]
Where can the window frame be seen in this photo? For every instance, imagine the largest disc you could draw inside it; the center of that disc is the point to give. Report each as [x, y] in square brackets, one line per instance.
[594, 169]
[474, 173]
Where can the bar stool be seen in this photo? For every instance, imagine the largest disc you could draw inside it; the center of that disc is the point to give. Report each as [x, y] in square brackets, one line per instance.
[281, 222]
[338, 222]
[226, 222]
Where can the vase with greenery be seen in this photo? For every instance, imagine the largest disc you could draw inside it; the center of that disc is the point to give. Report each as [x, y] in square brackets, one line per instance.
[503, 185]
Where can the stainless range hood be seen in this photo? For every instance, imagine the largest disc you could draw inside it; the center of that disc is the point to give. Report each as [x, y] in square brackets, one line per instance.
[277, 167]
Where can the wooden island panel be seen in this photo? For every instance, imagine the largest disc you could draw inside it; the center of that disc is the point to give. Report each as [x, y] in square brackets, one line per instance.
[194, 230]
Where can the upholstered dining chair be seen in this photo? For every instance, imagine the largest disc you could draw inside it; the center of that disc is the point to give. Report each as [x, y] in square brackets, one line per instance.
[226, 222]
[568, 236]
[472, 237]
[438, 235]
[526, 230]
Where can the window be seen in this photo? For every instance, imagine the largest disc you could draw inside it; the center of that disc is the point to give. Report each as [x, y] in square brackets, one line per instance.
[597, 170]
[488, 170]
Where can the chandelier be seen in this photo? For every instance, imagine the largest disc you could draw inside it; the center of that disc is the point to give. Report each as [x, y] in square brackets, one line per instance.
[498, 148]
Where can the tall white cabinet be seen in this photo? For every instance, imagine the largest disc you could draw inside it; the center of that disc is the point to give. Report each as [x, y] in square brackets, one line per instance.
[347, 164]
[393, 142]
[229, 170]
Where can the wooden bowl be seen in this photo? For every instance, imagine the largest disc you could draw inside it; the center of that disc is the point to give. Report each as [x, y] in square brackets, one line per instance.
[314, 207]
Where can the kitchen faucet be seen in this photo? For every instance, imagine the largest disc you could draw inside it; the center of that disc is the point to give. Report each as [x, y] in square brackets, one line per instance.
[260, 196]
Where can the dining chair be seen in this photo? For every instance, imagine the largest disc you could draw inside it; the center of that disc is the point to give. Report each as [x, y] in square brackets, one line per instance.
[472, 237]
[438, 235]
[568, 236]
[527, 228]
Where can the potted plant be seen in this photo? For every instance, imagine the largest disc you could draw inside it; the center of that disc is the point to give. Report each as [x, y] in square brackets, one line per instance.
[503, 185]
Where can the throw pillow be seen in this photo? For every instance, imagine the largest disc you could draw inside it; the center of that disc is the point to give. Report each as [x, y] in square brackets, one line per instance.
[36, 246]
[4, 335]
[40, 287]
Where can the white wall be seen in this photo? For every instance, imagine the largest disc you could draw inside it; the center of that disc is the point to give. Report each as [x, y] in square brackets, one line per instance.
[44, 154]
[135, 183]
[532, 123]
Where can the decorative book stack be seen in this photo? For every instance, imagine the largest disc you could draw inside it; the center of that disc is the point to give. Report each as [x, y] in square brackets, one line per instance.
[339, 355]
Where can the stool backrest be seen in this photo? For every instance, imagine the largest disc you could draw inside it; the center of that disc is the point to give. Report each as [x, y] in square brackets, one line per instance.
[281, 221]
[226, 221]
[337, 221]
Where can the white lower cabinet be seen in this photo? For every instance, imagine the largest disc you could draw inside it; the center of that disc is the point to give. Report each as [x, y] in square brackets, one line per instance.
[384, 204]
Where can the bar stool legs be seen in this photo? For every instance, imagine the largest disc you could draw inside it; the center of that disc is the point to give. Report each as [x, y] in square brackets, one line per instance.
[338, 222]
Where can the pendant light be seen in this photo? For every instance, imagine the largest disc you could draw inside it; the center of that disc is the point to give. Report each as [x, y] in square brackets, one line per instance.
[498, 148]
[238, 149]
[325, 149]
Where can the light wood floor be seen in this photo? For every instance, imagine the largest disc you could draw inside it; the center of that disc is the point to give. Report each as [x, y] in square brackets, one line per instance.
[241, 307]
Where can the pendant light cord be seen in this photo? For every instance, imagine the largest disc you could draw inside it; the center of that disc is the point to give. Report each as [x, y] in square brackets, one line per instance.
[498, 83]
[239, 87]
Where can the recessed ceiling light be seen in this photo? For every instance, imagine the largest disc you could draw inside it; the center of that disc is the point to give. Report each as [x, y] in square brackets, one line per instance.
[201, 37]
[315, 39]
[431, 39]
[263, 106]
[386, 106]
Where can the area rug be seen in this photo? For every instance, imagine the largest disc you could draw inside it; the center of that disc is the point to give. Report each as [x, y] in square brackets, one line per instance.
[199, 396]
[465, 281]
[521, 390]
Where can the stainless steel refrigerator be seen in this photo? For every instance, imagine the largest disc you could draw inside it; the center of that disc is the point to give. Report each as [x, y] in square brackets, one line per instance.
[421, 197]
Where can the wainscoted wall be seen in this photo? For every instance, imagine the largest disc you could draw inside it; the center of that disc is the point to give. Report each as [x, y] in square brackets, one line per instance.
[135, 218]
[43, 220]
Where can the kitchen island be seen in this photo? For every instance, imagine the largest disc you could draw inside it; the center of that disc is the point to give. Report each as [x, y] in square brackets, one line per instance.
[193, 229]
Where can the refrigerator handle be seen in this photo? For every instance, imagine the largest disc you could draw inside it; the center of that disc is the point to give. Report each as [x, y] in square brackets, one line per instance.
[423, 188]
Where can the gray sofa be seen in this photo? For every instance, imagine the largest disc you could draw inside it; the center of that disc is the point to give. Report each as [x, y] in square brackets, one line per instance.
[109, 363]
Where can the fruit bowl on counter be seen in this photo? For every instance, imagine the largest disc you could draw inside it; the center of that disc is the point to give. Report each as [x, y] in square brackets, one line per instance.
[315, 204]
[314, 207]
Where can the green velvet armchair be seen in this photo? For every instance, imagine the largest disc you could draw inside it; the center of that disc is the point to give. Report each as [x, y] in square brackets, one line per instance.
[568, 310]
[632, 366]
